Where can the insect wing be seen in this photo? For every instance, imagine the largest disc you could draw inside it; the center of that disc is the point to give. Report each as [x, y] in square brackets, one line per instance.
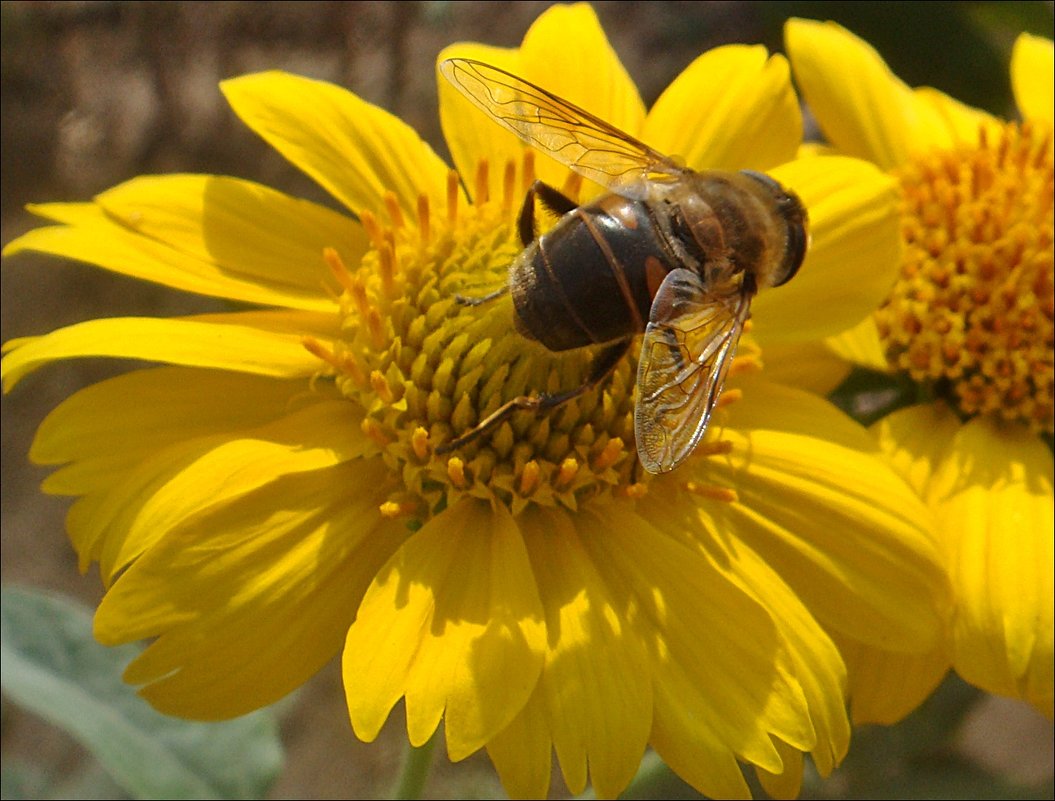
[574, 137]
[685, 355]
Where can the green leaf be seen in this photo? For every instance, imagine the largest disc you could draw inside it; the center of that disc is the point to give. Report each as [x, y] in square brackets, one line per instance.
[51, 665]
[868, 395]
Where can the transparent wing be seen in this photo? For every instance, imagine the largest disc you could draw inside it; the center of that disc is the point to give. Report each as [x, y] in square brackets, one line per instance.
[685, 355]
[571, 135]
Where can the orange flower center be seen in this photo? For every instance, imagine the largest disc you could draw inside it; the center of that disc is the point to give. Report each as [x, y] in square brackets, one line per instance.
[972, 312]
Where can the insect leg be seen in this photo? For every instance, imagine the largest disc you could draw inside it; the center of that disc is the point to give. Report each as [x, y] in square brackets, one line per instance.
[600, 368]
[552, 199]
[463, 300]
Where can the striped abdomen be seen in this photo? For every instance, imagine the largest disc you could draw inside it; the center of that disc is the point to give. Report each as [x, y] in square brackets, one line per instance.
[591, 278]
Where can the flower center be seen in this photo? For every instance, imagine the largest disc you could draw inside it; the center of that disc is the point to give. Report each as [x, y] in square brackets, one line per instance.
[972, 311]
[426, 369]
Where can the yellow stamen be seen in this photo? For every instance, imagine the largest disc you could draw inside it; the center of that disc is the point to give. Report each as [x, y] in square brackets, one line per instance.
[509, 180]
[482, 194]
[745, 363]
[342, 362]
[634, 491]
[529, 478]
[972, 312]
[572, 186]
[423, 218]
[395, 213]
[336, 264]
[350, 366]
[723, 494]
[372, 429]
[358, 292]
[321, 351]
[569, 468]
[456, 472]
[453, 189]
[610, 455]
[376, 327]
[419, 443]
[398, 508]
[728, 397]
[527, 171]
[388, 268]
[372, 226]
[715, 447]
[380, 385]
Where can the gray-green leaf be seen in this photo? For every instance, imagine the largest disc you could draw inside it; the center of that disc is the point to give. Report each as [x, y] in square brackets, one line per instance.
[51, 665]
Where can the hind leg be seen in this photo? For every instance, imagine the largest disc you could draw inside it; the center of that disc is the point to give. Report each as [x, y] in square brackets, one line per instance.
[601, 367]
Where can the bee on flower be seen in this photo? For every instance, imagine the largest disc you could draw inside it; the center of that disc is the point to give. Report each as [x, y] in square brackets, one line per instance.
[277, 490]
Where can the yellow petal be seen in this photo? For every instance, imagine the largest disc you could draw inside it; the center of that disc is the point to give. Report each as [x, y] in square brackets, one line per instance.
[243, 228]
[807, 365]
[723, 681]
[962, 121]
[184, 250]
[862, 107]
[474, 138]
[886, 686]
[860, 345]
[812, 663]
[693, 751]
[253, 598]
[566, 51]
[158, 409]
[454, 623]
[189, 478]
[1031, 77]
[993, 495]
[596, 686]
[817, 666]
[819, 504]
[521, 753]
[732, 108]
[786, 785]
[853, 258]
[354, 150]
[257, 343]
[916, 440]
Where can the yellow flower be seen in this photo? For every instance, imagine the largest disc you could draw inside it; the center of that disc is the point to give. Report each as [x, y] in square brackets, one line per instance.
[271, 494]
[970, 319]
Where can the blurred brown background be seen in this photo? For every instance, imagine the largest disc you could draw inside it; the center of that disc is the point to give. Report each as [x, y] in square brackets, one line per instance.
[94, 93]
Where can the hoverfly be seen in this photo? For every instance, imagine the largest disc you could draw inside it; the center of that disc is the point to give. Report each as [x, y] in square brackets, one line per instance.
[669, 252]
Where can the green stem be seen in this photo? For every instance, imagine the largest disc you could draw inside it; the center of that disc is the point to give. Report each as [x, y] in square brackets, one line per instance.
[416, 764]
[651, 777]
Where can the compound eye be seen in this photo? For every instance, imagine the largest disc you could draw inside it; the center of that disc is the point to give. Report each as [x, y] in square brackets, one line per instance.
[795, 248]
[790, 208]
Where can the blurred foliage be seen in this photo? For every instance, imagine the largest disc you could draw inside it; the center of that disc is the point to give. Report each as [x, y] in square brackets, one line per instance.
[53, 666]
[961, 48]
